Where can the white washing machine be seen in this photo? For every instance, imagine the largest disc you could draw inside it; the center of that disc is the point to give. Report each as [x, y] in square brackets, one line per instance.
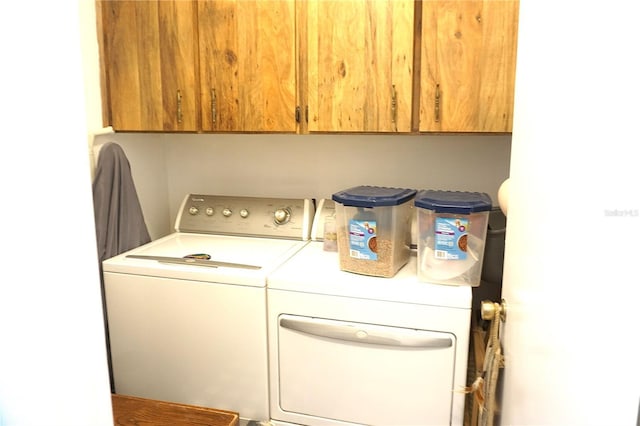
[187, 313]
[350, 349]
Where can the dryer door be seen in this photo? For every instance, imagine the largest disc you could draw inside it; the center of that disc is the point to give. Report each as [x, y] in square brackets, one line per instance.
[365, 373]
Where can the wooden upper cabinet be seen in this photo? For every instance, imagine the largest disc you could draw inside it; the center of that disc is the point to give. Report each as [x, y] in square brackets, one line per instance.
[359, 65]
[150, 61]
[247, 65]
[468, 57]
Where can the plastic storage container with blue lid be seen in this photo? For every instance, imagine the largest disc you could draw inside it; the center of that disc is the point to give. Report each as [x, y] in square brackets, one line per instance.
[373, 226]
[452, 229]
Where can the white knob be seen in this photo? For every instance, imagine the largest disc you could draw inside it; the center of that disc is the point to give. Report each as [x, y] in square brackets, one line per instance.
[226, 212]
[193, 210]
[503, 196]
[209, 211]
[244, 213]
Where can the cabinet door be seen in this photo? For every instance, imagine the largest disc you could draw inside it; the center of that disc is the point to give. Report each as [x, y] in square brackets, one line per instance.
[468, 56]
[150, 62]
[359, 65]
[247, 65]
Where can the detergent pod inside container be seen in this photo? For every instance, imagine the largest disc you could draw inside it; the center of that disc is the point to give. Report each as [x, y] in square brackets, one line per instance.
[452, 229]
[373, 226]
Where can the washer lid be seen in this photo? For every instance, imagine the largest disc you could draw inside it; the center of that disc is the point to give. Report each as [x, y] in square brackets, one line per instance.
[231, 259]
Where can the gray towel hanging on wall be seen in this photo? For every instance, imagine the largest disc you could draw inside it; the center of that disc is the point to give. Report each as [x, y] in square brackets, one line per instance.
[120, 224]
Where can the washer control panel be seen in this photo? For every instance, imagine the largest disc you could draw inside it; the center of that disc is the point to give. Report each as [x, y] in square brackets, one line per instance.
[249, 216]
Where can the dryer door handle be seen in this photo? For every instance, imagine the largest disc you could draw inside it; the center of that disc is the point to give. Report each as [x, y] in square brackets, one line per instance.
[367, 333]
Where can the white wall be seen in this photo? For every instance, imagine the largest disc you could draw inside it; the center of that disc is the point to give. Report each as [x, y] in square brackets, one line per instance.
[53, 366]
[168, 166]
[319, 165]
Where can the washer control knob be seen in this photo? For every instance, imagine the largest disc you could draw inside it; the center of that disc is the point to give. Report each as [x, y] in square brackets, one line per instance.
[226, 212]
[209, 211]
[193, 210]
[281, 216]
[244, 213]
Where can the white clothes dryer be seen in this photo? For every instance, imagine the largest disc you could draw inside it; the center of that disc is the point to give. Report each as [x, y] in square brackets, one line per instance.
[348, 349]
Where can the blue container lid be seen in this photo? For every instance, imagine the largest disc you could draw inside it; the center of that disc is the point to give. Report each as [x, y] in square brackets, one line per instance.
[453, 201]
[373, 196]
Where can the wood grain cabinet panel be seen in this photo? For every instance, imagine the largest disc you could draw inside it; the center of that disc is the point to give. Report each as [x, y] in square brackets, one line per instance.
[468, 57]
[149, 58]
[247, 65]
[309, 65]
[359, 65]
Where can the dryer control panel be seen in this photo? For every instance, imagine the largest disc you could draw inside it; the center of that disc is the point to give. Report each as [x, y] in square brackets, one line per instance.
[288, 218]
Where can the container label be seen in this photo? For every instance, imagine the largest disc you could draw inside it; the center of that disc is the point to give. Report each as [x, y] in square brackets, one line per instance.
[362, 239]
[451, 238]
